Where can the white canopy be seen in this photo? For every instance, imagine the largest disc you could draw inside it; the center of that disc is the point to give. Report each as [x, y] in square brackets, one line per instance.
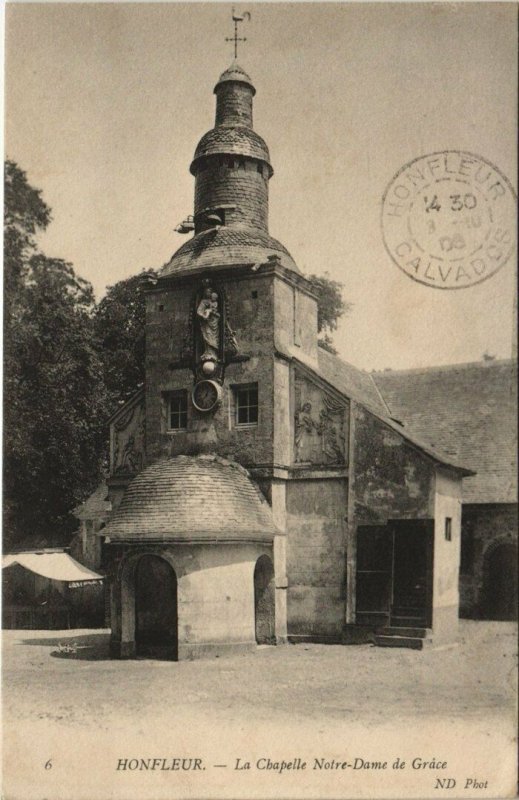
[56, 566]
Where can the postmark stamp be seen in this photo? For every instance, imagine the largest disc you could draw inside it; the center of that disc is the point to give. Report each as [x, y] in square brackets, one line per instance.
[448, 219]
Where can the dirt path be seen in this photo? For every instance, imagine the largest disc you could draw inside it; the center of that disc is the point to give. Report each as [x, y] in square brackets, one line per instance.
[290, 700]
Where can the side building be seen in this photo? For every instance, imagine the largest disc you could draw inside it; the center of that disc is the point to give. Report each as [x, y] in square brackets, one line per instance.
[470, 411]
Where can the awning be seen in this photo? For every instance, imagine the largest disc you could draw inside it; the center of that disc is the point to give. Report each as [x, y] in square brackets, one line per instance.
[56, 566]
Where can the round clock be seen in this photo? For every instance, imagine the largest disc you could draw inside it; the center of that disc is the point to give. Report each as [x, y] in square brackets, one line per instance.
[206, 395]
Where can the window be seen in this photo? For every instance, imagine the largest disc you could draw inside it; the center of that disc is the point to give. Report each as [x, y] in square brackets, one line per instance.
[448, 529]
[178, 411]
[246, 404]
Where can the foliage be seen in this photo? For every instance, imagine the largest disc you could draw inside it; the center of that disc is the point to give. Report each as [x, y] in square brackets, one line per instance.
[54, 398]
[326, 343]
[330, 307]
[119, 324]
[68, 363]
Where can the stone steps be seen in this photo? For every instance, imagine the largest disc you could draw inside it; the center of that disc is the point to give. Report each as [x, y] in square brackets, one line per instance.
[407, 622]
[410, 642]
[416, 633]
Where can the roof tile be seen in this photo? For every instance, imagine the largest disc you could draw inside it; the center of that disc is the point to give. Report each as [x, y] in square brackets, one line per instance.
[192, 498]
[467, 410]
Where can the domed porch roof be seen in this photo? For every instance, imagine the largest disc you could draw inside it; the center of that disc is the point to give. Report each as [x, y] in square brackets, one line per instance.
[190, 499]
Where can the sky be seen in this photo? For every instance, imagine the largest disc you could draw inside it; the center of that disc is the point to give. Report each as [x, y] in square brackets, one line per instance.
[105, 104]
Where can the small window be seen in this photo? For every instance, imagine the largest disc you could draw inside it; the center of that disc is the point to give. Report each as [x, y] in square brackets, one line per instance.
[178, 411]
[254, 295]
[246, 401]
[448, 529]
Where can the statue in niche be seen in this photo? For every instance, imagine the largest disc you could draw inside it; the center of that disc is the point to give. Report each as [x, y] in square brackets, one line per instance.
[209, 321]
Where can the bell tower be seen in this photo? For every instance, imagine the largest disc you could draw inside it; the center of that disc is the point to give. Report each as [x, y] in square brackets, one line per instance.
[230, 309]
[232, 163]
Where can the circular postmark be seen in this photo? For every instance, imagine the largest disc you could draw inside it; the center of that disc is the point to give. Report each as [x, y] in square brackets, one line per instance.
[448, 219]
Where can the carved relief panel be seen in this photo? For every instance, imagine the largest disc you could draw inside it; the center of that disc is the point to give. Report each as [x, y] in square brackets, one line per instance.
[320, 426]
[127, 438]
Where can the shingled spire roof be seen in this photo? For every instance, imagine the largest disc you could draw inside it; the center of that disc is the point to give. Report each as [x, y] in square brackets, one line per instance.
[232, 170]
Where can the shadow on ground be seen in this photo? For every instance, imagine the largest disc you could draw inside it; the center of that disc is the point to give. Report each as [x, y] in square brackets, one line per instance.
[89, 647]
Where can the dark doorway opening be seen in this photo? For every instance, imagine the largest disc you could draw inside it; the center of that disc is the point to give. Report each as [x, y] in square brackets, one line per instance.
[264, 601]
[500, 583]
[156, 615]
[395, 574]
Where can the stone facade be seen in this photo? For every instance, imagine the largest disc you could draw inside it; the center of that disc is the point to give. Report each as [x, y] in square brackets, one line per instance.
[245, 471]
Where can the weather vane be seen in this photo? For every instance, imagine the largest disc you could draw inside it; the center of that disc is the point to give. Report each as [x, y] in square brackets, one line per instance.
[237, 18]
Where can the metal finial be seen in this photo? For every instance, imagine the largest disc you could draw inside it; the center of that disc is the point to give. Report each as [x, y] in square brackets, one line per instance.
[237, 18]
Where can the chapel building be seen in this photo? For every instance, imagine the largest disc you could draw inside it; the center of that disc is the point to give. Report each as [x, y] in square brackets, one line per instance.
[260, 489]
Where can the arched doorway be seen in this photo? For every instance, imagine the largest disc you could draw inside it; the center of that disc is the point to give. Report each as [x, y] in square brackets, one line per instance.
[156, 618]
[500, 583]
[264, 601]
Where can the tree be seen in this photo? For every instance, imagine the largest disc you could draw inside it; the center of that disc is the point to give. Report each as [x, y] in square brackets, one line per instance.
[119, 324]
[54, 398]
[330, 307]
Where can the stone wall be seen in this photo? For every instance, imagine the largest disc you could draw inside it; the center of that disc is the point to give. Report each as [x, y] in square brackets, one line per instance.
[249, 312]
[446, 560]
[316, 512]
[392, 479]
[484, 527]
[295, 314]
[215, 597]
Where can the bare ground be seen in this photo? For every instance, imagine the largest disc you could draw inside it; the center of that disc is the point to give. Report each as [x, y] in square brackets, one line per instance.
[294, 696]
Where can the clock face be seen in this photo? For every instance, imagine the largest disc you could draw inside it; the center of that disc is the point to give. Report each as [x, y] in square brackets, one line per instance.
[206, 395]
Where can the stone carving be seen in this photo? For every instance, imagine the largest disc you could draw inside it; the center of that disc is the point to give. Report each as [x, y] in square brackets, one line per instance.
[231, 344]
[128, 432]
[124, 420]
[209, 343]
[306, 432]
[319, 430]
[209, 320]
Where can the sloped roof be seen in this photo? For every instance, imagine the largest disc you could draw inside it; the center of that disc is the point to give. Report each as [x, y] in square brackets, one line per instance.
[467, 410]
[232, 140]
[227, 247]
[235, 73]
[352, 381]
[360, 386]
[192, 499]
[96, 506]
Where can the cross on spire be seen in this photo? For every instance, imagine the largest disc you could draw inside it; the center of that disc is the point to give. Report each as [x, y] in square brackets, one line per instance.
[236, 19]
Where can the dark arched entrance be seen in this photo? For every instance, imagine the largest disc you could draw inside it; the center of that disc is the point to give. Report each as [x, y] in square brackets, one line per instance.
[156, 619]
[500, 583]
[264, 601]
